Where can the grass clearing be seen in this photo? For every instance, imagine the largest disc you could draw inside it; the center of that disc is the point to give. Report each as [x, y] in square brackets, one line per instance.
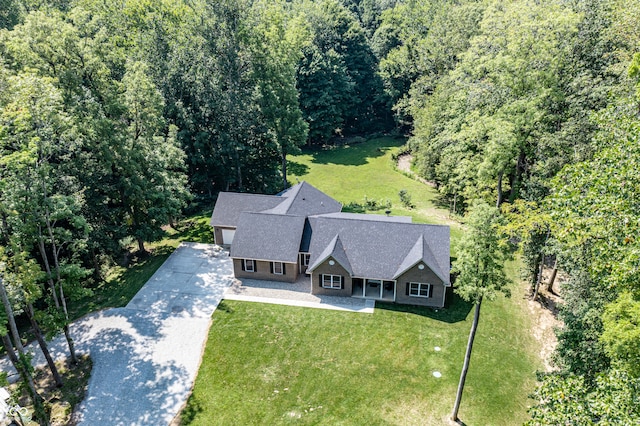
[271, 364]
[267, 364]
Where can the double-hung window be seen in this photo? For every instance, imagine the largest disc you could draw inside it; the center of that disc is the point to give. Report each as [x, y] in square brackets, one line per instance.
[331, 281]
[420, 290]
[248, 265]
[277, 268]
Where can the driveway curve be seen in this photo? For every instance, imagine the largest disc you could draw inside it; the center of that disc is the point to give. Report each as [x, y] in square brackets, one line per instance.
[146, 355]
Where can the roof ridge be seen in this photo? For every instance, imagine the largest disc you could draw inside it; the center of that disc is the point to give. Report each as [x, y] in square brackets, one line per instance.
[334, 249]
[435, 267]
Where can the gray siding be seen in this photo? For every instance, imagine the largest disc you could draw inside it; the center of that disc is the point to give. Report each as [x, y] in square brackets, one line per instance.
[263, 271]
[420, 276]
[325, 268]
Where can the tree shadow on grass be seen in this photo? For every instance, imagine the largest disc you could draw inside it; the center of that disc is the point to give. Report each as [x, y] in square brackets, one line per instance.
[297, 169]
[191, 410]
[353, 155]
[455, 310]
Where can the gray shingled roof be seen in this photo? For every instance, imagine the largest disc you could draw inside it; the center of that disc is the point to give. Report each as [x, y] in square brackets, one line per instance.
[305, 200]
[230, 204]
[377, 249]
[378, 217]
[421, 252]
[336, 250]
[266, 236]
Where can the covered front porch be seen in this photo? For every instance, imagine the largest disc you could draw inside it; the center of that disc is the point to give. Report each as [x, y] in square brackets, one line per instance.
[375, 289]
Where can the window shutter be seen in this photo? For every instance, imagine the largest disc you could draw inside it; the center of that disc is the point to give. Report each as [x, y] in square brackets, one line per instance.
[242, 261]
[430, 290]
[341, 282]
[271, 267]
[407, 289]
[284, 269]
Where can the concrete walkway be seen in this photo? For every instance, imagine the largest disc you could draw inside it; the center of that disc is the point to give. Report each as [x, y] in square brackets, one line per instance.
[294, 294]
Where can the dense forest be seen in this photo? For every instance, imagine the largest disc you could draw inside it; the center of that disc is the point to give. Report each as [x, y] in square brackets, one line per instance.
[115, 116]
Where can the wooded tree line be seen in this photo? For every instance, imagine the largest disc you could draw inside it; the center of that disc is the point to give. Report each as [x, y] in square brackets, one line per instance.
[113, 115]
[534, 107]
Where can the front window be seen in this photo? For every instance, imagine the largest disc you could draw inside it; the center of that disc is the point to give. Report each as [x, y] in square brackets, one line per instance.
[419, 289]
[277, 268]
[331, 281]
[305, 259]
[249, 265]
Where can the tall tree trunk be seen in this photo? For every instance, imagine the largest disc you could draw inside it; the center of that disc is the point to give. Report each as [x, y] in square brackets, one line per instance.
[552, 279]
[54, 294]
[515, 187]
[96, 265]
[284, 170]
[538, 278]
[8, 346]
[56, 262]
[499, 200]
[43, 345]
[23, 362]
[47, 268]
[141, 248]
[467, 359]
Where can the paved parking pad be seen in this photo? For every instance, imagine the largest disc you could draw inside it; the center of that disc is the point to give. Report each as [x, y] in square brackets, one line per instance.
[146, 355]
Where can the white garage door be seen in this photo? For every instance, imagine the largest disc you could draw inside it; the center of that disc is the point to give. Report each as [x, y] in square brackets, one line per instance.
[227, 236]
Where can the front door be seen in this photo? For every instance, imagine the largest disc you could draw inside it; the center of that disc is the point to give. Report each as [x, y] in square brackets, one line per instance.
[380, 290]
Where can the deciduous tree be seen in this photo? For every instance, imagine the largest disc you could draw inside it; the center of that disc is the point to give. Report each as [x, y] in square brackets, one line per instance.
[480, 272]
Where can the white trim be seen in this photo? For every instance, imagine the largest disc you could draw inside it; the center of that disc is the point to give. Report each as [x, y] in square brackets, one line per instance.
[420, 287]
[244, 265]
[274, 268]
[303, 262]
[445, 283]
[331, 281]
[295, 262]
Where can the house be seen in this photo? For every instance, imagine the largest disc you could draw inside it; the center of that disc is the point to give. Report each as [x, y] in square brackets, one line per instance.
[304, 231]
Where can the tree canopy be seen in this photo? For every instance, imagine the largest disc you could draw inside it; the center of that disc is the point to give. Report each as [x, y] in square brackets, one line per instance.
[115, 116]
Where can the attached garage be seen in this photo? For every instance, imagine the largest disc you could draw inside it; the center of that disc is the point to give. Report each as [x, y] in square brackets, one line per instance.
[227, 236]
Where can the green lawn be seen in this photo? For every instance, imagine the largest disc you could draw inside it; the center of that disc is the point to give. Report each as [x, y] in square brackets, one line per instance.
[267, 364]
[271, 364]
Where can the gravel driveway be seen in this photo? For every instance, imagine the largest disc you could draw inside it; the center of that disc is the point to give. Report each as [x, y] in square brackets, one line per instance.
[146, 355]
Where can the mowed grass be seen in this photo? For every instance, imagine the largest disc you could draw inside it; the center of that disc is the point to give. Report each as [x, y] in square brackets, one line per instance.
[272, 365]
[267, 364]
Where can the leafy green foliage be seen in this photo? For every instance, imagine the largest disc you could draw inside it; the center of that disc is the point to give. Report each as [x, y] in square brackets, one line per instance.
[568, 400]
[405, 198]
[481, 256]
[621, 322]
[340, 92]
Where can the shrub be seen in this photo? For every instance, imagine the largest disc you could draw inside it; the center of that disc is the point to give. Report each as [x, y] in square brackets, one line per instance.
[405, 199]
